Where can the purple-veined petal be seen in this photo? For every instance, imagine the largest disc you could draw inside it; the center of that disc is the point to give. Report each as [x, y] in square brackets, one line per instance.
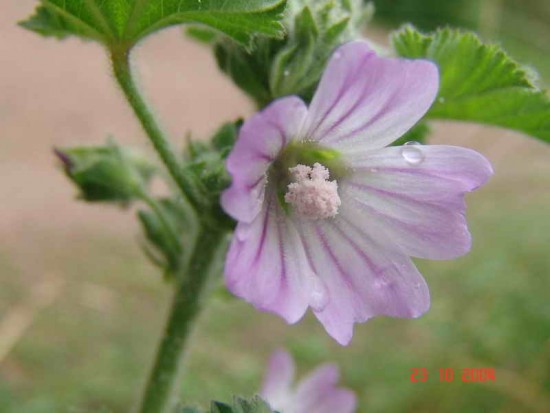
[366, 102]
[420, 207]
[318, 392]
[266, 264]
[260, 140]
[277, 385]
[363, 276]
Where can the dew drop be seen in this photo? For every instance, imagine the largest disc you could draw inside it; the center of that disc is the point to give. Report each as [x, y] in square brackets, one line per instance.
[286, 72]
[412, 153]
[441, 99]
[337, 55]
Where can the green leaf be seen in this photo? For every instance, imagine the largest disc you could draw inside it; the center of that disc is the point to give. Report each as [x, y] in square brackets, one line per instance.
[479, 82]
[125, 22]
[201, 34]
[48, 23]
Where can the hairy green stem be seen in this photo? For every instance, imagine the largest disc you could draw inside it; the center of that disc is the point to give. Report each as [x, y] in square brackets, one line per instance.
[189, 290]
[122, 70]
[185, 307]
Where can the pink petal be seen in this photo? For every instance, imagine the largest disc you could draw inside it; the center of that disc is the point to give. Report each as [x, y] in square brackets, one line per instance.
[318, 393]
[364, 277]
[420, 207]
[277, 385]
[366, 102]
[339, 400]
[260, 140]
[266, 264]
[319, 380]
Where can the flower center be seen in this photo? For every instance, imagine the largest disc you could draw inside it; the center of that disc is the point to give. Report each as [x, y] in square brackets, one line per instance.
[311, 194]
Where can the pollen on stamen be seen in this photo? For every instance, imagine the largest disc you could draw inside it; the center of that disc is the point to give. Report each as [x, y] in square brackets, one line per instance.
[311, 194]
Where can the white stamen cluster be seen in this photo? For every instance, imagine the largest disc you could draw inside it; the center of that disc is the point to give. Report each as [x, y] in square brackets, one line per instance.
[312, 195]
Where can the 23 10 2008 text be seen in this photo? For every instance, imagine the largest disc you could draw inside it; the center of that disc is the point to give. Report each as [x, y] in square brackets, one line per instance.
[447, 375]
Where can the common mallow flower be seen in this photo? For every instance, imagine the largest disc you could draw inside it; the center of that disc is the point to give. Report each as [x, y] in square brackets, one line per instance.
[316, 392]
[328, 214]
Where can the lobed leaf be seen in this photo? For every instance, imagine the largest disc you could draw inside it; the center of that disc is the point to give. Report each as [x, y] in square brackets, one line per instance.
[127, 21]
[479, 82]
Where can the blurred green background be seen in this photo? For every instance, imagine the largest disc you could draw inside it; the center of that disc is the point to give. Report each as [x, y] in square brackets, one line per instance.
[81, 310]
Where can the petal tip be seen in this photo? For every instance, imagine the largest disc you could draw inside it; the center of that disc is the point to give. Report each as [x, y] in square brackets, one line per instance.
[423, 309]
[343, 336]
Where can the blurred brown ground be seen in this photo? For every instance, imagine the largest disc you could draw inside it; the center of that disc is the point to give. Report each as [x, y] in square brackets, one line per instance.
[62, 93]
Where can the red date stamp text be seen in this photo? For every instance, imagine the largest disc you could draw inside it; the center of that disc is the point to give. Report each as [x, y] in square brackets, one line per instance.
[447, 375]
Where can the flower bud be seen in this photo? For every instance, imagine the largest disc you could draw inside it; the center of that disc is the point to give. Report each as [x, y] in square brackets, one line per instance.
[106, 173]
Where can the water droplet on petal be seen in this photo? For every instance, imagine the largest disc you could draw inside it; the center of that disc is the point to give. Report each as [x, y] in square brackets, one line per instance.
[337, 55]
[374, 170]
[412, 153]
